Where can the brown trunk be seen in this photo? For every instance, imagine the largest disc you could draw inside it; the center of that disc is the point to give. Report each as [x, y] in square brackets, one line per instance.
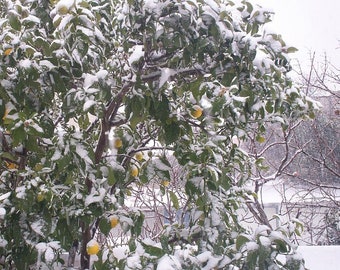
[84, 257]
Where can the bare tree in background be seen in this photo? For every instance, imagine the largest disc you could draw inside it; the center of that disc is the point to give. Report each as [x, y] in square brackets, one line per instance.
[304, 160]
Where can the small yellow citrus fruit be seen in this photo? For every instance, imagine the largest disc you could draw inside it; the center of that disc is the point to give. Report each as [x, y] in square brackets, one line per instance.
[11, 165]
[134, 171]
[117, 143]
[165, 183]
[92, 247]
[139, 156]
[260, 139]
[8, 51]
[196, 111]
[7, 110]
[62, 9]
[40, 197]
[114, 220]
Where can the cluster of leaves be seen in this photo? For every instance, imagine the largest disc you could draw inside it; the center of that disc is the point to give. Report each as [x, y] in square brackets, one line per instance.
[75, 73]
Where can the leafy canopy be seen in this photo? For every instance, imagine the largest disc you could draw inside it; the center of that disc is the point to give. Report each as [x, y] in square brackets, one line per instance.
[75, 74]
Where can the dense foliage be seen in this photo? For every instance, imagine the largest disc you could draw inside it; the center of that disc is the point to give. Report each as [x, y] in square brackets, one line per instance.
[88, 84]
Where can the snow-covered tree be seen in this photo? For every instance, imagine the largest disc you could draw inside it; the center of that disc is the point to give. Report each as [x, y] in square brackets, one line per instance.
[96, 94]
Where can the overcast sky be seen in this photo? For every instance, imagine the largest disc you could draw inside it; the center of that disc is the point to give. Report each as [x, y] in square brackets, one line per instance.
[309, 25]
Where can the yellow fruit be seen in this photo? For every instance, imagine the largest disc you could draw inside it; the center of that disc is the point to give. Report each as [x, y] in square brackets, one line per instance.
[260, 139]
[165, 183]
[114, 220]
[62, 9]
[40, 197]
[92, 247]
[6, 113]
[11, 165]
[38, 167]
[117, 143]
[134, 171]
[139, 156]
[8, 51]
[196, 111]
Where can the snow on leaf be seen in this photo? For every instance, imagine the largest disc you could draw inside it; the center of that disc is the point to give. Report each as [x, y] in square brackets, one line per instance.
[166, 74]
[102, 74]
[89, 80]
[95, 197]
[36, 127]
[83, 153]
[2, 213]
[168, 262]
[137, 53]
[5, 196]
[88, 104]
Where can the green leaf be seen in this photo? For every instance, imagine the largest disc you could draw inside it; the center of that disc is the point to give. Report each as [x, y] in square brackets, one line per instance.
[104, 226]
[171, 132]
[153, 250]
[241, 240]
[18, 135]
[292, 50]
[281, 245]
[111, 179]
[138, 224]
[14, 22]
[174, 199]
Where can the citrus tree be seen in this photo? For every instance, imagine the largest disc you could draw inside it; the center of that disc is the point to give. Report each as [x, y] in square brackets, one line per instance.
[95, 94]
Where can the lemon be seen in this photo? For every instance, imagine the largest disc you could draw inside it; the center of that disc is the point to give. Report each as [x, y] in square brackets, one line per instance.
[63, 7]
[7, 110]
[11, 165]
[92, 247]
[139, 156]
[260, 139]
[40, 197]
[114, 220]
[8, 51]
[165, 183]
[134, 171]
[196, 111]
[118, 143]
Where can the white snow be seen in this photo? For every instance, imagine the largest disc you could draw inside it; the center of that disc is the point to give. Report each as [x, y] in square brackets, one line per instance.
[2, 213]
[120, 252]
[3, 242]
[31, 18]
[83, 153]
[5, 196]
[65, 3]
[26, 63]
[36, 127]
[89, 80]
[102, 74]
[88, 104]
[137, 53]
[168, 262]
[252, 246]
[95, 197]
[166, 73]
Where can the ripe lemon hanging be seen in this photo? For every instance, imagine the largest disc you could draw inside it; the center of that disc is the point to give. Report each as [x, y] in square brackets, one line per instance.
[92, 247]
[114, 220]
[118, 143]
[40, 197]
[139, 156]
[165, 183]
[134, 171]
[8, 51]
[196, 111]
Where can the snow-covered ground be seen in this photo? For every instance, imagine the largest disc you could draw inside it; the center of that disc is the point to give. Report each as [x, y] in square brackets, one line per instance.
[321, 257]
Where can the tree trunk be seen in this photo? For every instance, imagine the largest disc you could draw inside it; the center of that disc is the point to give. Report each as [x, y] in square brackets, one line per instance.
[86, 237]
